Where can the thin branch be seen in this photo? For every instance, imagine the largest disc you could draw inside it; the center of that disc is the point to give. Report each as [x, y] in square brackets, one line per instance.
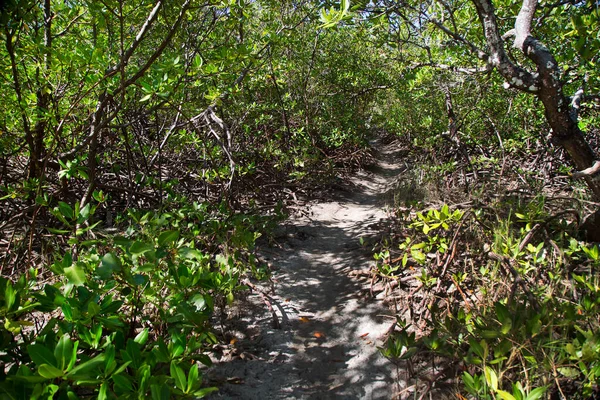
[482, 55]
[138, 39]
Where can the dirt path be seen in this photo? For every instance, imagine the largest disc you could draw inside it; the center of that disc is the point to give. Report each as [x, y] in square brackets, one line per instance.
[325, 347]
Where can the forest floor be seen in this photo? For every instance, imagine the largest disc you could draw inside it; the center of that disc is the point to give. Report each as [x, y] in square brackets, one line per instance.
[323, 343]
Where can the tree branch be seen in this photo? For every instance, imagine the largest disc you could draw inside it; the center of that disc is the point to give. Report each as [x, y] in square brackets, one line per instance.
[594, 169]
[138, 39]
[523, 23]
[515, 75]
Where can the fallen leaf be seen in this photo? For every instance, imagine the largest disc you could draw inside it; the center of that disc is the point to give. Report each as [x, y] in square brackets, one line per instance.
[304, 319]
[287, 300]
[319, 335]
[233, 341]
[369, 342]
[364, 335]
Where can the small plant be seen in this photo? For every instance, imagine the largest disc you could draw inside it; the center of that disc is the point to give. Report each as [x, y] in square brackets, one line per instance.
[512, 317]
[130, 315]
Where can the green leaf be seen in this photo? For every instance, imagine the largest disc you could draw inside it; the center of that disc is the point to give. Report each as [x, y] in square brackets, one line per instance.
[10, 296]
[168, 237]
[63, 352]
[205, 391]
[84, 213]
[178, 376]
[76, 275]
[49, 371]
[536, 394]
[84, 370]
[139, 248]
[111, 261]
[146, 98]
[505, 395]
[122, 383]
[109, 265]
[569, 372]
[141, 337]
[103, 392]
[491, 378]
[40, 354]
[7, 391]
[193, 378]
[66, 210]
[160, 392]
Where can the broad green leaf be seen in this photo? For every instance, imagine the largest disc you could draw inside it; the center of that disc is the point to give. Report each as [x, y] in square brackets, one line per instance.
[122, 383]
[160, 392]
[76, 275]
[49, 371]
[84, 213]
[536, 394]
[85, 369]
[505, 395]
[569, 372]
[66, 210]
[139, 248]
[63, 352]
[178, 376]
[111, 261]
[192, 378]
[168, 237]
[491, 378]
[103, 392]
[40, 354]
[109, 265]
[141, 337]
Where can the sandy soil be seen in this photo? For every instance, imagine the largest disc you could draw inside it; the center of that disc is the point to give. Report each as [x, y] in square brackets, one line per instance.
[325, 346]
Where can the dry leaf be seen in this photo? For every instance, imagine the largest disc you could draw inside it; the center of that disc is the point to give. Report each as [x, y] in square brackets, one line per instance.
[304, 319]
[364, 335]
[319, 335]
[233, 341]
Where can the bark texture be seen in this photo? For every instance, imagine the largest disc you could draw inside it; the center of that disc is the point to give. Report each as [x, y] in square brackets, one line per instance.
[545, 82]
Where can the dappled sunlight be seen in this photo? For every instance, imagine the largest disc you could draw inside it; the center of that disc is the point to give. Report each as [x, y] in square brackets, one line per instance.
[330, 328]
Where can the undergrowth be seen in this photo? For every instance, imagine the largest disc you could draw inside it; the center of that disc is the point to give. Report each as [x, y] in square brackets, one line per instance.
[496, 297]
[128, 315]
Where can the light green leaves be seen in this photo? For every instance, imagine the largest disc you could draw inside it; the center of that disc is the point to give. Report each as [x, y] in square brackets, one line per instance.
[332, 17]
[76, 274]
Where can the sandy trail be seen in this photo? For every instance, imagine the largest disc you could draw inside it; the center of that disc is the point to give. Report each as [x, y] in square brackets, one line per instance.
[325, 347]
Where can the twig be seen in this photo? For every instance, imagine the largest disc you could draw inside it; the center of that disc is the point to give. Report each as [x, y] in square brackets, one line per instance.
[267, 300]
[518, 280]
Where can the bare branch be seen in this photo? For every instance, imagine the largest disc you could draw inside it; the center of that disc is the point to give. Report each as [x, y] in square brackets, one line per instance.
[515, 75]
[576, 104]
[138, 39]
[482, 55]
[445, 67]
[594, 169]
[523, 23]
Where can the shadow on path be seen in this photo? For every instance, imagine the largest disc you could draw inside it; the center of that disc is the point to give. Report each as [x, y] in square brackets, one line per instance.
[326, 347]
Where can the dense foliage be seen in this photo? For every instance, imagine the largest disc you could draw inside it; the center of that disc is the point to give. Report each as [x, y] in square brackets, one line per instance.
[146, 146]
